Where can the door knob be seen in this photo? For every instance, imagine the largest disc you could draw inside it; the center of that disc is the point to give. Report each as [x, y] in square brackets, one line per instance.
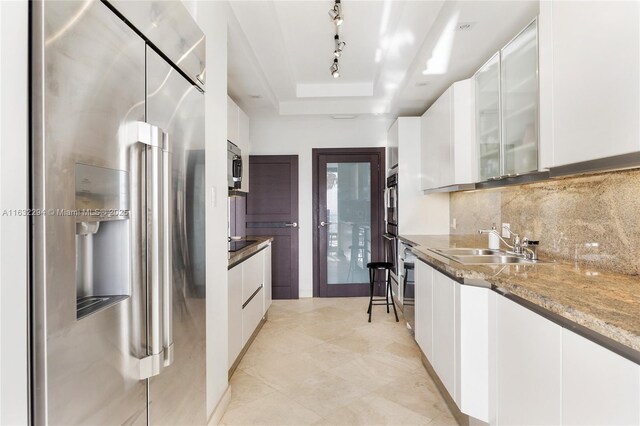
[323, 223]
[291, 224]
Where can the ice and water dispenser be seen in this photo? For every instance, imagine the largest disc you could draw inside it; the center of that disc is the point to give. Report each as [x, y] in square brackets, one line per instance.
[102, 238]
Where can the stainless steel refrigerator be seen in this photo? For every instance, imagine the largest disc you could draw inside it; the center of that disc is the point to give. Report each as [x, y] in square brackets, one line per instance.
[117, 253]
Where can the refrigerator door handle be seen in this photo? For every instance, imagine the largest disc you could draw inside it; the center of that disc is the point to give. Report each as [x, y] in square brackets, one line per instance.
[156, 250]
[167, 253]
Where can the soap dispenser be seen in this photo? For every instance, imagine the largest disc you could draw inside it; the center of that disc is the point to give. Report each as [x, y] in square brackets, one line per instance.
[494, 240]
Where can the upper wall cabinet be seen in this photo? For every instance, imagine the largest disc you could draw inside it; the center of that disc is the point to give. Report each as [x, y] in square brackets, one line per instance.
[487, 83]
[238, 126]
[447, 148]
[589, 80]
[507, 109]
[519, 102]
[233, 113]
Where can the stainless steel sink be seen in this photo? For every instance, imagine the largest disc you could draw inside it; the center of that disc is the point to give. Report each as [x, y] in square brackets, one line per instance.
[467, 252]
[492, 259]
[470, 256]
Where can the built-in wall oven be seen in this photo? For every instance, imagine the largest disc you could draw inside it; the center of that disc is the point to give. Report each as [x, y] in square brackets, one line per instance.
[391, 235]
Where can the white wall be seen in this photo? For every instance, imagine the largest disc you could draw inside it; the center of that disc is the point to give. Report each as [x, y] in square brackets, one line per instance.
[212, 18]
[14, 403]
[293, 135]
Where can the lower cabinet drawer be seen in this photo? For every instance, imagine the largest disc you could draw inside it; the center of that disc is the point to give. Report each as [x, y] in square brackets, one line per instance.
[252, 313]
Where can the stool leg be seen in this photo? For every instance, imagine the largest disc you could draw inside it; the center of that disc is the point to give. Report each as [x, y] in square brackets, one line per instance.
[371, 277]
[392, 302]
[387, 290]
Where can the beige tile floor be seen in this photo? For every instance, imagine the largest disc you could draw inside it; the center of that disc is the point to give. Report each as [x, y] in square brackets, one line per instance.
[318, 361]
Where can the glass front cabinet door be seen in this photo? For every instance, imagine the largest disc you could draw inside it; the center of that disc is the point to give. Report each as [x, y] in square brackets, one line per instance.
[487, 83]
[519, 102]
[507, 109]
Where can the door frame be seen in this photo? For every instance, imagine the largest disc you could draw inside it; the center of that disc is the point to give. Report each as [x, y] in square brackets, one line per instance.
[316, 153]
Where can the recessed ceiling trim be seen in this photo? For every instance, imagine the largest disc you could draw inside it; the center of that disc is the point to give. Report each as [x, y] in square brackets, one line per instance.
[333, 90]
[334, 107]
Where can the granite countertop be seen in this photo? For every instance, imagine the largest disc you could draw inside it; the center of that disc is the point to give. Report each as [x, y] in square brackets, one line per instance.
[240, 256]
[603, 302]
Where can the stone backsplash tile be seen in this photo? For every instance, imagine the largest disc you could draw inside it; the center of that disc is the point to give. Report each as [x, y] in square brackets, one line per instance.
[593, 220]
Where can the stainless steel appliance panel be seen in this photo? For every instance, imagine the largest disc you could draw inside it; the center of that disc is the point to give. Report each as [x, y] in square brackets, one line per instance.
[85, 370]
[178, 394]
[234, 166]
[169, 26]
[392, 200]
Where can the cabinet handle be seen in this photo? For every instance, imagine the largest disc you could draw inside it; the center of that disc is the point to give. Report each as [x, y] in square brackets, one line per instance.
[252, 296]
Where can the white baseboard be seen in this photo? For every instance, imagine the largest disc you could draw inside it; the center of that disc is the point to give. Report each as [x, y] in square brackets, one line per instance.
[220, 409]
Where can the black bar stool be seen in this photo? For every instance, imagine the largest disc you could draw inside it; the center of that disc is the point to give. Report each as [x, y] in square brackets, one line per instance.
[381, 266]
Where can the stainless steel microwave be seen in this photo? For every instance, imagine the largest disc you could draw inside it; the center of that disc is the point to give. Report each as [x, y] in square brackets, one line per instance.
[234, 166]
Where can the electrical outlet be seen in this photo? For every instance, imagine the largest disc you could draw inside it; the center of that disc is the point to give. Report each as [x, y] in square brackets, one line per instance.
[454, 223]
[506, 230]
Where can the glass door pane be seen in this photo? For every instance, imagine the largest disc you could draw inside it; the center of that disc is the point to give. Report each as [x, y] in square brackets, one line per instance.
[519, 75]
[349, 216]
[487, 82]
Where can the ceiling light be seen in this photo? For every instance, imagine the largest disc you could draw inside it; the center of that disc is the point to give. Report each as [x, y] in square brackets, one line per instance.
[335, 13]
[334, 70]
[339, 46]
[336, 16]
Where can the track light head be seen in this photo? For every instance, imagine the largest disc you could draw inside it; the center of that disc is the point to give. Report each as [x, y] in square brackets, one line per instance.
[334, 70]
[335, 13]
[339, 46]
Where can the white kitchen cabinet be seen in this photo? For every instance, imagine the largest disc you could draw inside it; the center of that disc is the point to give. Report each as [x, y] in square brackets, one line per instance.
[528, 367]
[599, 387]
[519, 102]
[233, 117]
[249, 298]
[244, 143]
[238, 132]
[447, 145]
[423, 309]
[267, 279]
[252, 275]
[590, 89]
[252, 314]
[234, 310]
[392, 145]
[487, 107]
[436, 143]
[472, 345]
[420, 213]
[506, 90]
[444, 331]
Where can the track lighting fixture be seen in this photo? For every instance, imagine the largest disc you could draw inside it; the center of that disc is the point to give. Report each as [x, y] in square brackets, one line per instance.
[336, 16]
[335, 13]
[339, 46]
[335, 71]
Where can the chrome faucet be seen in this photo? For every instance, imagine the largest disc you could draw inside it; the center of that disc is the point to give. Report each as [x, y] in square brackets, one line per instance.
[525, 247]
[530, 248]
[515, 238]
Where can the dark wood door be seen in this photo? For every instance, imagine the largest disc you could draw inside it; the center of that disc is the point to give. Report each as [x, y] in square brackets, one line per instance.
[348, 222]
[272, 210]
